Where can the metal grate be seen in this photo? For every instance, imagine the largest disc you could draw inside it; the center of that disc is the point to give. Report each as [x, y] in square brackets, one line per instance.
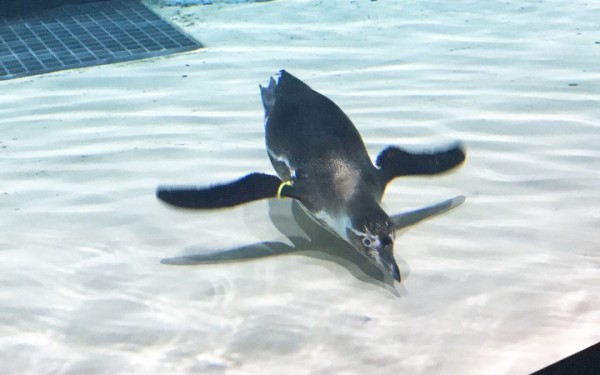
[75, 36]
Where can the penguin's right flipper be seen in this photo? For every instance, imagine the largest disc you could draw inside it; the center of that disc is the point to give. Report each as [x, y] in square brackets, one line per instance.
[249, 188]
[395, 162]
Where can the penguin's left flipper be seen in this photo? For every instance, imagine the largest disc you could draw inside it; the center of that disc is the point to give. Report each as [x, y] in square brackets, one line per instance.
[249, 188]
[395, 162]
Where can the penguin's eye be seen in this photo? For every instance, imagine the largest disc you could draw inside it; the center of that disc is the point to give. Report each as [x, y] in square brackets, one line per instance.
[366, 241]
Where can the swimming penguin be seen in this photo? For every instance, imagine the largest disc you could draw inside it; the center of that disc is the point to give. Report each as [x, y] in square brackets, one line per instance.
[321, 161]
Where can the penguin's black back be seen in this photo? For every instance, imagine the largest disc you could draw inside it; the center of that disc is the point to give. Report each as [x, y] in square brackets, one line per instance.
[309, 134]
[306, 127]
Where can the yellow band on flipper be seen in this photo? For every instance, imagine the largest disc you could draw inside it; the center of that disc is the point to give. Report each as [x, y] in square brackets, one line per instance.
[281, 186]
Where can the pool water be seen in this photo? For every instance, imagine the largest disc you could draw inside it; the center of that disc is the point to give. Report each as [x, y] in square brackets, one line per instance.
[508, 282]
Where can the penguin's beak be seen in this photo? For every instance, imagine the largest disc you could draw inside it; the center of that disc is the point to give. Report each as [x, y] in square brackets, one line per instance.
[386, 257]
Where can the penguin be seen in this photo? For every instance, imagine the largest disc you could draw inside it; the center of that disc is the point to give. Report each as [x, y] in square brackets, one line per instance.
[321, 161]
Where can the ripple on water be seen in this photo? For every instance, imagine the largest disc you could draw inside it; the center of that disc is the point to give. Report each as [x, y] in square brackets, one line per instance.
[263, 336]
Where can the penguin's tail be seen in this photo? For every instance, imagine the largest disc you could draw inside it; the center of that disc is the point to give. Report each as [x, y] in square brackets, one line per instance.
[268, 96]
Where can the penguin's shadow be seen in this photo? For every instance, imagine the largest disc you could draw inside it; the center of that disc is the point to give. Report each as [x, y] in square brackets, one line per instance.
[310, 239]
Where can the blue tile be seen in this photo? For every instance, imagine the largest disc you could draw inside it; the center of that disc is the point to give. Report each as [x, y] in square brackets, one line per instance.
[87, 34]
[69, 61]
[102, 55]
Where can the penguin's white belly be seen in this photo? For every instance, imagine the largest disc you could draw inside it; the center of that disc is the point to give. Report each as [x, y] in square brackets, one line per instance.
[335, 225]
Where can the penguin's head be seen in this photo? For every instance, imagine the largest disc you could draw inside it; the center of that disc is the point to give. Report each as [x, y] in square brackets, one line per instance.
[372, 233]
